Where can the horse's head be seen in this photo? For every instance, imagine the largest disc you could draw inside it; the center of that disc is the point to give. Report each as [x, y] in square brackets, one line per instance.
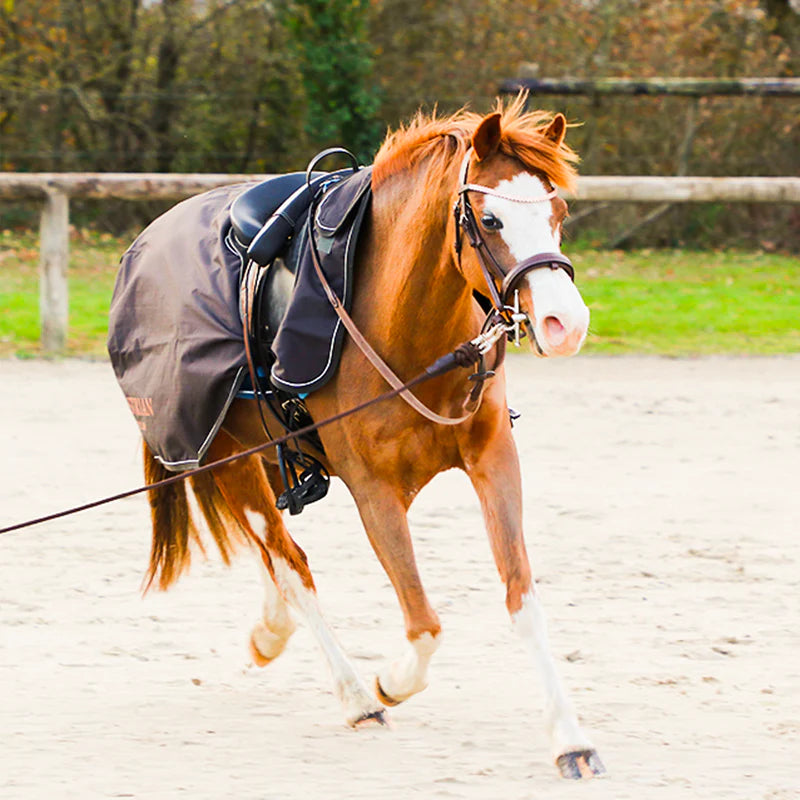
[510, 213]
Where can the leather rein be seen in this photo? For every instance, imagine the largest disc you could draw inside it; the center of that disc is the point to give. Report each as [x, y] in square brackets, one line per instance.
[501, 322]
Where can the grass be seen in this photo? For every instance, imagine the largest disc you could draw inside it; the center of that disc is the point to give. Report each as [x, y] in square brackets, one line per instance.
[93, 265]
[664, 302]
[682, 302]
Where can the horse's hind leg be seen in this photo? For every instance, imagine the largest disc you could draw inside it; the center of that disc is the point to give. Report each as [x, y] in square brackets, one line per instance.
[271, 633]
[495, 476]
[384, 518]
[248, 493]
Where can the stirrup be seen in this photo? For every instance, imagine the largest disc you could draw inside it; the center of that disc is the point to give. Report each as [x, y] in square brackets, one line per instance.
[307, 487]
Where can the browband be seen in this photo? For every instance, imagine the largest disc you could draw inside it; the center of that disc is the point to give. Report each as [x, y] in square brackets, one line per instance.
[476, 187]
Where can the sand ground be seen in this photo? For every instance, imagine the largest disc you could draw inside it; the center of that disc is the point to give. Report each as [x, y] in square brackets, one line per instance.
[663, 521]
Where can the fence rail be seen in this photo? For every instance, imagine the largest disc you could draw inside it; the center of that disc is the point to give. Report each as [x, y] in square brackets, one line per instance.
[55, 190]
[125, 185]
[611, 188]
[685, 87]
[687, 189]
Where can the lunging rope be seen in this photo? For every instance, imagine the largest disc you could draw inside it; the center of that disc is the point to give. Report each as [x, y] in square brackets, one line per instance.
[466, 355]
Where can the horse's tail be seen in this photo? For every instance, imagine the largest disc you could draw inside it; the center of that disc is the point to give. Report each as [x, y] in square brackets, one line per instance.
[174, 530]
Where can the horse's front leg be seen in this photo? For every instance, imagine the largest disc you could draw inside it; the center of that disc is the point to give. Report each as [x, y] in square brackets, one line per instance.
[384, 516]
[496, 477]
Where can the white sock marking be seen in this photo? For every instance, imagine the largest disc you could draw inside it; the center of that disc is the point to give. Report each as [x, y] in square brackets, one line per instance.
[351, 690]
[560, 719]
[409, 674]
[271, 633]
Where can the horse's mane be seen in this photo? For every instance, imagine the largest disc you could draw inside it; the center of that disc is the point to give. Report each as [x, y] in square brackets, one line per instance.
[442, 140]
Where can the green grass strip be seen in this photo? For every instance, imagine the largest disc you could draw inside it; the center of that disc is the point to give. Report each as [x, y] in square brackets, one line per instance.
[677, 302]
[661, 302]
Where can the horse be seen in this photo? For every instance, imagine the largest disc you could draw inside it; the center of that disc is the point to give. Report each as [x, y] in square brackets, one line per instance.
[420, 291]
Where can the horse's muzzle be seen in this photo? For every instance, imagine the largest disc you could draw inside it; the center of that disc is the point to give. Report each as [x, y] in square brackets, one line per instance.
[557, 318]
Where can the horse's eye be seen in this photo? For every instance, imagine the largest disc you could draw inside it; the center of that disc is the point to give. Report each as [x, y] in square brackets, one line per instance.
[491, 223]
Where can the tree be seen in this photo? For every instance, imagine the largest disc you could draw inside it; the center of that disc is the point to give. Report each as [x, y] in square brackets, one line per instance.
[785, 16]
[329, 41]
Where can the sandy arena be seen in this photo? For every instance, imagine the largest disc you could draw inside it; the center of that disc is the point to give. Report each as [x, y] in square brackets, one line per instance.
[663, 522]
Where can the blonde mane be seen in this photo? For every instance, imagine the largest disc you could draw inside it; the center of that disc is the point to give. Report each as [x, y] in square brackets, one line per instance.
[442, 140]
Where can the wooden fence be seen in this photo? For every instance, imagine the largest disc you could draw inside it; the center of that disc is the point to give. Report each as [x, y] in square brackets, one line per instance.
[685, 87]
[55, 189]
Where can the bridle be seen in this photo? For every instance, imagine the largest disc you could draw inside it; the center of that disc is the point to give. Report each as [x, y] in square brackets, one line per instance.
[500, 282]
[502, 321]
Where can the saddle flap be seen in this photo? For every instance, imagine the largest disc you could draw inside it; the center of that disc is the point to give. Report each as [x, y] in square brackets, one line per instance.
[340, 201]
[310, 338]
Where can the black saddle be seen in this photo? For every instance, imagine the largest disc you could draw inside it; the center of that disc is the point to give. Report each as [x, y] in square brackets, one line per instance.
[252, 208]
[265, 216]
[265, 220]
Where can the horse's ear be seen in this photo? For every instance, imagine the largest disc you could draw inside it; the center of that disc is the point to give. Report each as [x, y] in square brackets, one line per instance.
[487, 136]
[556, 130]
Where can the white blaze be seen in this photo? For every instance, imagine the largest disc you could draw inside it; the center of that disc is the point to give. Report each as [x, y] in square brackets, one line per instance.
[527, 231]
[526, 226]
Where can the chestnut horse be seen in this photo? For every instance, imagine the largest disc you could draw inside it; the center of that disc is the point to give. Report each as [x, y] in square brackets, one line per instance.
[414, 300]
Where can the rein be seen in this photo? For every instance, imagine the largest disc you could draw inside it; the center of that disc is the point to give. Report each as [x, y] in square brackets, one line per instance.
[499, 324]
[478, 348]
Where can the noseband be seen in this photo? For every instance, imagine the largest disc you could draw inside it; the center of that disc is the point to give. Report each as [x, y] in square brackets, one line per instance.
[500, 282]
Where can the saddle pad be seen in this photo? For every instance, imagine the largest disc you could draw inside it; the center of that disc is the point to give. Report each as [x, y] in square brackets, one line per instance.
[310, 337]
[175, 333]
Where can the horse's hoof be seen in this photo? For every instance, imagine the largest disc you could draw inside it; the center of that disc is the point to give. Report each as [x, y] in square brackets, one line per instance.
[373, 718]
[265, 646]
[259, 659]
[386, 699]
[580, 764]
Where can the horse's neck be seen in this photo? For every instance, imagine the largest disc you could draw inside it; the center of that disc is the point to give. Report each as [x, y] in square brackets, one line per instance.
[421, 306]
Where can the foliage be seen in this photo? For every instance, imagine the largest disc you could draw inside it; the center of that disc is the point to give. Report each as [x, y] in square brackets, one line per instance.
[329, 40]
[124, 86]
[244, 85]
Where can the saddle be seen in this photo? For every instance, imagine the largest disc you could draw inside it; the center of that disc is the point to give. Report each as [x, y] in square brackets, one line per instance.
[281, 300]
[265, 216]
[294, 335]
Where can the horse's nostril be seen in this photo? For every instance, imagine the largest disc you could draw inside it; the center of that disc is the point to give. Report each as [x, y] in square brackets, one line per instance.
[554, 330]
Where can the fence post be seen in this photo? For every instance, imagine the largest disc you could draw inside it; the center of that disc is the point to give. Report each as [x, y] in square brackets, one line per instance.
[53, 257]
